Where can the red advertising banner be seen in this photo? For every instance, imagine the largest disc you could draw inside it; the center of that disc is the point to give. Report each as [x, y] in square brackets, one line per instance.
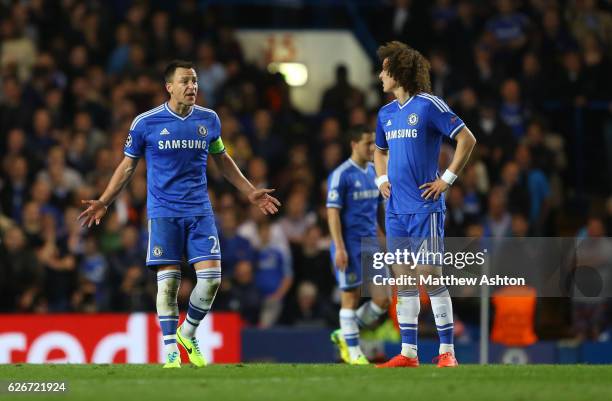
[108, 338]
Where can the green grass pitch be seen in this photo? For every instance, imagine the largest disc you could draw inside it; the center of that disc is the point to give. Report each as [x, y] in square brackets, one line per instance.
[315, 382]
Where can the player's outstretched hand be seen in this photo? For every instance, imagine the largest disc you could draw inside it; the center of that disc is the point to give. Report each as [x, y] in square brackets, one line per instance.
[434, 189]
[95, 211]
[385, 189]
[265, 202]
[341, 259]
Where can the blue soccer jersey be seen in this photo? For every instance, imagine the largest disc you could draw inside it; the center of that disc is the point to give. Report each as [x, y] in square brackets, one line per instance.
[176, 150]
[412, 133]
[352, 189]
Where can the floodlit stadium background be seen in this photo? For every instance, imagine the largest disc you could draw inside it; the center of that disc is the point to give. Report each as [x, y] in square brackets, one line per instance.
[287, 78]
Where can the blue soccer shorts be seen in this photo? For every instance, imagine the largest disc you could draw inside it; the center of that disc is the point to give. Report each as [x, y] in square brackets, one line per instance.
[174, 239]
[352, 276]
[416, 232]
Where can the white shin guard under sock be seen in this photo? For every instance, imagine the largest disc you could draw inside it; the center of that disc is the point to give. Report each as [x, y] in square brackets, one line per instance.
[408, 308]
[168, 282]
[350, 332]
[201, 299]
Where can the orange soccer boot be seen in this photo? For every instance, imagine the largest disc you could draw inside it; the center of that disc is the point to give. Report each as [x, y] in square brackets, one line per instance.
[446, 360]
[400, 361]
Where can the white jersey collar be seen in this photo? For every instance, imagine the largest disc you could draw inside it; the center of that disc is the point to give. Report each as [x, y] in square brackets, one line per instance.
[365, 170]
[176, 115]
[401, 106]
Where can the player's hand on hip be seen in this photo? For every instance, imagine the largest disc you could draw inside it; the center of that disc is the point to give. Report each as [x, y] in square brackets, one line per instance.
[341, 259]
[96, 209]
[434, 189]
[385, 189]
[264, 201]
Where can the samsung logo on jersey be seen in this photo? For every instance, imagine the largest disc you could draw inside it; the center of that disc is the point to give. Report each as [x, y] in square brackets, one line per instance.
[401, 133]
[369, 194]
[181, 144]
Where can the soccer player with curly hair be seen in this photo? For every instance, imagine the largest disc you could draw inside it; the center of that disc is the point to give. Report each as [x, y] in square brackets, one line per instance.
[409, 132]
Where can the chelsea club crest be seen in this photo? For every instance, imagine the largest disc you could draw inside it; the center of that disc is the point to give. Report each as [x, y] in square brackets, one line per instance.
[157, 251]
[202, 131]
[413, 119]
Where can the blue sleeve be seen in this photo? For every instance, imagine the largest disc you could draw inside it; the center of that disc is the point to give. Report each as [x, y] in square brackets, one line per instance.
[135, 142]
[335, 190]
[381, 139]
[216, 143]
[216, 127]
[444, 120]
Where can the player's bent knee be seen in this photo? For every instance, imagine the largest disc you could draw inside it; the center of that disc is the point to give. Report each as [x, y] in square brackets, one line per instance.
[437, 290]
[207, 264]
[429, 277]
[167, 267]
[208, 274]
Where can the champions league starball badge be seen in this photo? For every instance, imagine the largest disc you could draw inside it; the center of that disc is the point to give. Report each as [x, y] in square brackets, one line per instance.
[128, 141]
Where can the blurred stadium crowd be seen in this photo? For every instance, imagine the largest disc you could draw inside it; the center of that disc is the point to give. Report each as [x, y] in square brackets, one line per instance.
[532, 83]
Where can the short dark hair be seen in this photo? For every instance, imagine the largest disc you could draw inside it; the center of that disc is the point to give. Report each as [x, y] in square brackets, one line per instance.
[356, 133]
[171, 68]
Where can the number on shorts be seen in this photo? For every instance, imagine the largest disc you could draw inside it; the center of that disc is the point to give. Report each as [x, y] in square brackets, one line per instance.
[215, 247]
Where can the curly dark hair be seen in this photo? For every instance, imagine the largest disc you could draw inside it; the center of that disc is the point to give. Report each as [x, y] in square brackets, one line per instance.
[407, 66]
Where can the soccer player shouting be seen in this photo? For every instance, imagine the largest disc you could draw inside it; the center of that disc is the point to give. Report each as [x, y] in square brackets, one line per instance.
[409, 131]
[175, 139]
[352, 204]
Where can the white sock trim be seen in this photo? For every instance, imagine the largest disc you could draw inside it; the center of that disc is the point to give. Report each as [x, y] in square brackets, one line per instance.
[377, 309]
[409, 350]
[201, 300]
